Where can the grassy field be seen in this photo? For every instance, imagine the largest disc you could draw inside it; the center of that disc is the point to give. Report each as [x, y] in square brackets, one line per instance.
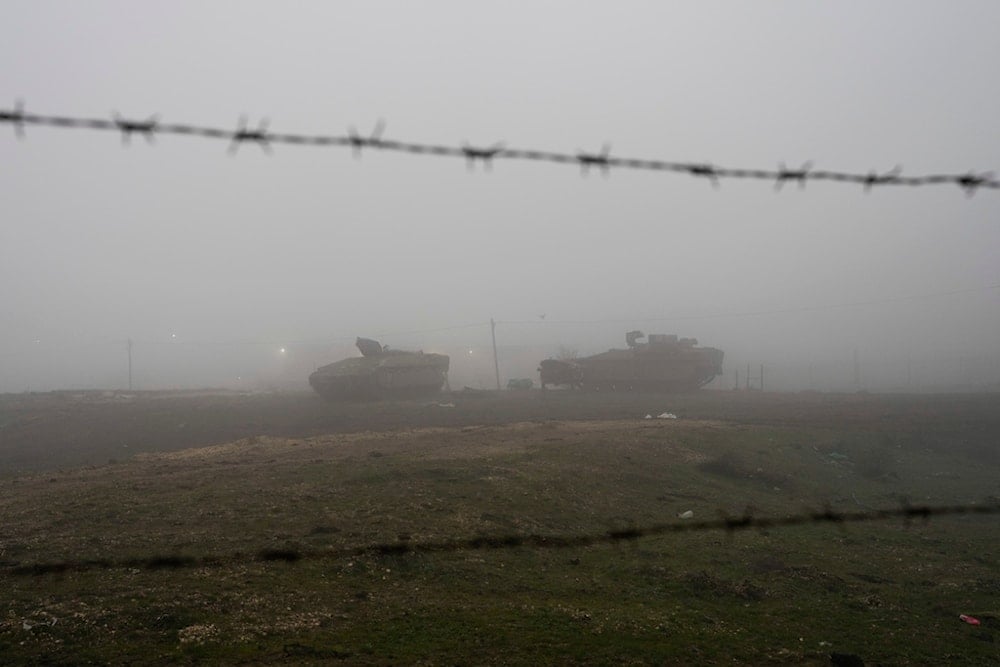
[291, 474]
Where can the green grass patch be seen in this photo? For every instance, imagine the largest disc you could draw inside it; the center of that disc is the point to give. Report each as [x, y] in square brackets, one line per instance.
[889, 592]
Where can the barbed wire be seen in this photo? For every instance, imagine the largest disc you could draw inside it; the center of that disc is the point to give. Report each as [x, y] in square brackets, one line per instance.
[404, 546]
[602, 161]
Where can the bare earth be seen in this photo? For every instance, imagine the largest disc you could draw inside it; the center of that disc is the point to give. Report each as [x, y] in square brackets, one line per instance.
[172, 498]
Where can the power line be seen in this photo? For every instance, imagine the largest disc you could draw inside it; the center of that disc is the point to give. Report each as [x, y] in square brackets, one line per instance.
[757, 313]
[415, 332]
[907, 513]
[603, 161]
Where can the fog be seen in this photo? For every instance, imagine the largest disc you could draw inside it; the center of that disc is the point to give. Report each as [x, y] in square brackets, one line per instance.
[249, 271]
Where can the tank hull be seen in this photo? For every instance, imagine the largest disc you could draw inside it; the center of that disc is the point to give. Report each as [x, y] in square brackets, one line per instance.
[665, 364]
[380, 375]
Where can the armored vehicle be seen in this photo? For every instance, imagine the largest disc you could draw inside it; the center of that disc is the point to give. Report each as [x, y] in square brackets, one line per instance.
[662, 363]
[381, 373]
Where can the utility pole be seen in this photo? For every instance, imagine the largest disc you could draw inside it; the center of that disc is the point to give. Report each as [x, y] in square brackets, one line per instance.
[762, 377]
[130, 364]
[748, 377]
[496, 362]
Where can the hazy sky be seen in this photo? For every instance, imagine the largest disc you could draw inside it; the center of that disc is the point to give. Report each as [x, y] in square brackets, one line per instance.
[212, 263]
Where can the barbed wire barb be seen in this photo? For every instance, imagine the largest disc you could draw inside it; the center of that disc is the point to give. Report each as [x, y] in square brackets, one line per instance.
[146, 128]
[971, 182]
[786, 174]
[874, 178]
[734, 523]
[358, 142]
[15, 117]
[600, 160]
[484, 155]
[705, 171]
[828, 515]
[244, 133]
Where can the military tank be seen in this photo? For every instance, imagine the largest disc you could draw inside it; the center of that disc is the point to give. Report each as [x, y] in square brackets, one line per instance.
[381, 373]
[662, 363]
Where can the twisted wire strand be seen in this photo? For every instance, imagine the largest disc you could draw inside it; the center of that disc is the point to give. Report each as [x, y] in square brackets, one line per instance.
[729, 524]
[969, 182]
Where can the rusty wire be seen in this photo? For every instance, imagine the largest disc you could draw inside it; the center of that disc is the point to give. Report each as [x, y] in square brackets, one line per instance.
[603, 161]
